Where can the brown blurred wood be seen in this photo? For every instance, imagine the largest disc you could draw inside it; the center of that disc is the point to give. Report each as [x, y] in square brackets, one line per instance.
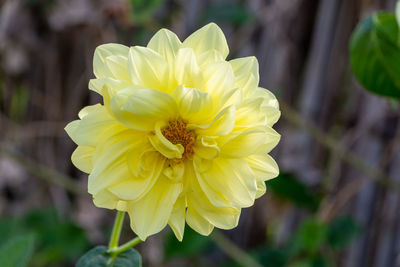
[302, 47]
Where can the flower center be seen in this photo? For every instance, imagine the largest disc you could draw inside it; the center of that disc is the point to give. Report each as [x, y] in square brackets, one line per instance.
[177, 133]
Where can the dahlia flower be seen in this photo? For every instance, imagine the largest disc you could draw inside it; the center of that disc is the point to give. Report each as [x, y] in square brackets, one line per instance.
[182, 136]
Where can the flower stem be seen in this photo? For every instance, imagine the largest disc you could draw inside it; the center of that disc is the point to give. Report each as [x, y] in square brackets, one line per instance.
[116, 231]
[124, 247]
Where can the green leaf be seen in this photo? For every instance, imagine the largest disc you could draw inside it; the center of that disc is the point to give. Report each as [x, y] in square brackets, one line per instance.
[375, 54]
[99, 257]
[398, 12]
[342, 231]
[17, 251]
[288, 188]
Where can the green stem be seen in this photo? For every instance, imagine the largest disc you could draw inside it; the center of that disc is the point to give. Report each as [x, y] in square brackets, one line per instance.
[124, 247]
[116, 231]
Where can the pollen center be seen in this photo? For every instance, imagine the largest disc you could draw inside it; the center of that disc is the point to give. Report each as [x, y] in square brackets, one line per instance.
[177, 133]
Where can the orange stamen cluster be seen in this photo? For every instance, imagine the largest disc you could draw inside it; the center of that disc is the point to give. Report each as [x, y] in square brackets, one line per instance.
[177, 133]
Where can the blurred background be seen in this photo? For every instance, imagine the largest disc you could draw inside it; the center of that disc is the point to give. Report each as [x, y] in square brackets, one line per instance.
[337, 200]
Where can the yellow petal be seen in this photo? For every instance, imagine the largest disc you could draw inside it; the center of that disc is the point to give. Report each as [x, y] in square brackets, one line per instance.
[88, 109]
[187, 71]
[117, 67]
[221, 125]
[220, 79]
[174, 172]
[206, 147]
[246, 142]
[82, 158]
[165, 43]
[104, 51]
[197, 222]
[250, 113]
[263, 166]
[110, 165]
[221, 217]
[143, 109]
[210, 56]
[97, 85]
[150, 214]
[269, 106]
[135, 188]
[194, 105]
[137, 159]
[94, 127]
[246, 73]
[163, 145]
[207, 38]
[232, 178]
[147, 68]
[177, 219]
[105, 199]
[261, 189]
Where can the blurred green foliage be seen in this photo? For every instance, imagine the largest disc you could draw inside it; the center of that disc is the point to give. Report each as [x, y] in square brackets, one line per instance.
[57, 240]
[99, 257]
[143, 10]
[312, 244]
[191, 246]
[235, 14]
[19, 103]
[286, 187]
[375, 54]
[17, 251]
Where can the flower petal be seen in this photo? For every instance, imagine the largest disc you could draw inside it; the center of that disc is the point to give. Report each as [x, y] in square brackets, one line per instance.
[270, 105]
[187, 71]
[220, 80]
[163, 145]
[194, 105]
[117, 67]
[110, 161]
[221, 217]
[150, 214]
[261, 189]
[94, 127]
[135, 188]
[221, 125]
[246, 142]
[263, 166]
[206, 147]
[232, 178]
[207, 38]
[165, 43]
[197, 222]
[246, 73]
[208, 57]
[177, 219]
[143, 109]
[105, 199]
[146, 67]
[97, 85]
[104, 51]
[82, 158]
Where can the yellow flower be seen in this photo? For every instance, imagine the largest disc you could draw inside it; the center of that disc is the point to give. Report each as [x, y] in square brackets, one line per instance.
[183, 135]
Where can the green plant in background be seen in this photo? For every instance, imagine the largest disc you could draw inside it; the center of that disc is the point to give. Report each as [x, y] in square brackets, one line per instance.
[375, 53]
[17, 251]
[313, 243]
[143, 10]
[43, 237]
